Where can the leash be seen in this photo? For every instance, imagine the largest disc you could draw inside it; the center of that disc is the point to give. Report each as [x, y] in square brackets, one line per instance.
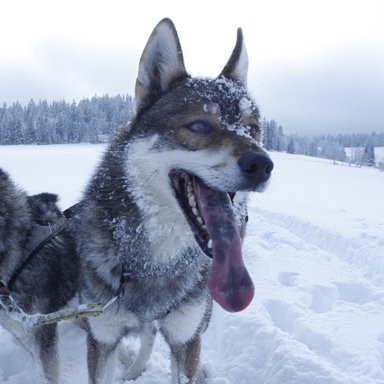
[36, 320]
[14, 311]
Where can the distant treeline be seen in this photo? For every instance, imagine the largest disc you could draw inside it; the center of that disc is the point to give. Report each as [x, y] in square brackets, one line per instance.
[326, 146]
[59, 122]
[95, 120]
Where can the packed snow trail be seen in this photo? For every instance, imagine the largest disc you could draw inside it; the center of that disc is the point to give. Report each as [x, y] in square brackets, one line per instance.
[314, 249]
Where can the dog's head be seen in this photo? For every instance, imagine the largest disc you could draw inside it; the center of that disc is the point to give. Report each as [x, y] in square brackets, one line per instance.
[44, 208]
[204, 136]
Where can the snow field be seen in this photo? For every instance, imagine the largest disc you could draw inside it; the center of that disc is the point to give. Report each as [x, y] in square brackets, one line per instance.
[314, 249]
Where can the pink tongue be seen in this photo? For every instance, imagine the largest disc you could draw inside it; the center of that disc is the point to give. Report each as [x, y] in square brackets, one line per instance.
[229, 282]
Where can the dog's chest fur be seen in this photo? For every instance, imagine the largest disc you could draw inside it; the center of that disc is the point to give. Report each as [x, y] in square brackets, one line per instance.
[155, 286]
[161, 262]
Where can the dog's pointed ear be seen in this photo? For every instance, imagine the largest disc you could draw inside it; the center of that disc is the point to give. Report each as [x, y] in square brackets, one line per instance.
[160, 65]
[237, 66]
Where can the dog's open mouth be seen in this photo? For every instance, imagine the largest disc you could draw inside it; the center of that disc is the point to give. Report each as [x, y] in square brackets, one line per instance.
[211, 218]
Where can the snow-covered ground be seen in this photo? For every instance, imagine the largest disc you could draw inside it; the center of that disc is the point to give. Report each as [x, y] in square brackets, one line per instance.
[315, 250]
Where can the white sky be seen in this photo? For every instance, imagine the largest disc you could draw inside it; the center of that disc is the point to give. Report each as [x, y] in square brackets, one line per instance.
[314, 65]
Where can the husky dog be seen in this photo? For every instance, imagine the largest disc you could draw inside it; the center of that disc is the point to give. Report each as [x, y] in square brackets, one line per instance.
[161, 216]
[44, 284]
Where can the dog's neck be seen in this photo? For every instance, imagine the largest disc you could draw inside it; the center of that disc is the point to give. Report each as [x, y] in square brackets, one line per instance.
[144, 254]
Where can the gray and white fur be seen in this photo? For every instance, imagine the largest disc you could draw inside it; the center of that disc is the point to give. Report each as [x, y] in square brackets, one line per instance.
[137, 229]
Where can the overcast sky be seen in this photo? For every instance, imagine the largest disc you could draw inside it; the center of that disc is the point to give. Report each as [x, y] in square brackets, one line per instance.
[315, 65]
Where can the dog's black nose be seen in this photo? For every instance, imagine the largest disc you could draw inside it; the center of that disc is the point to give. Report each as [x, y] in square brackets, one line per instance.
[256, 166]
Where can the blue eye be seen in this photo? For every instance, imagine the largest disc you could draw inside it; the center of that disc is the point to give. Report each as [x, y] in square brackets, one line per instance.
[201, 127]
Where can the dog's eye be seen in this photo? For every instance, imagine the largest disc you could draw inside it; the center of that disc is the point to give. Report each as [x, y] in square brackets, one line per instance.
[201, 127]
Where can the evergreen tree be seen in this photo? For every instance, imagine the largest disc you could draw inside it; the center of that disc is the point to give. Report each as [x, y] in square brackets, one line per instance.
[280, 142]
[273, 136]
[15, 130]
[291, 147]
[369, 155]
[13, 125]
[42, 129]
[73, 128]
[314, 148]
[30, 121]
[30, 132]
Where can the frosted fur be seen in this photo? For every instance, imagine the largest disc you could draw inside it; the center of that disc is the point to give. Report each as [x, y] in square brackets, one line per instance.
[245, 106]
[212, 88]
[230, 91]
[154, 263]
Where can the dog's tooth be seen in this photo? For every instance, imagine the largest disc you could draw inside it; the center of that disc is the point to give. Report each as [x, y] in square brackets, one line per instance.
[209, 244]
[195, 211]
[192, 201]
[200, 220]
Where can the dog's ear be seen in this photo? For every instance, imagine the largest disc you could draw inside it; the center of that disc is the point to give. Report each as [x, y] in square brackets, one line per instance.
[237, 66]
[160, 65]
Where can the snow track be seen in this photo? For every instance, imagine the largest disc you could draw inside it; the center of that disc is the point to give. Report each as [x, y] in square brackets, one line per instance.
[322, 316]
[363, 251]
[314, 249]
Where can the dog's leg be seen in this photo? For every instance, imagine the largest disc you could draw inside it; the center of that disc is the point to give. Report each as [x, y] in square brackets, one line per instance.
[47, 344]
[147, 340]
[185, 362]
[181, 329]
[101, 361]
